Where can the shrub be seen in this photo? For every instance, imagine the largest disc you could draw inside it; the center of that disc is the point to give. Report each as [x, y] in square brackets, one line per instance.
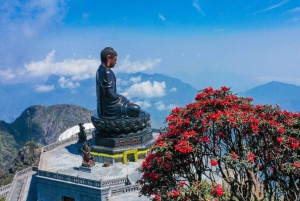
[252, 150]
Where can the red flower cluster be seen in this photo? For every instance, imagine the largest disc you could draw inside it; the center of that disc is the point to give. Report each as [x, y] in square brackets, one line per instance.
[153, 175]
[250, 157]
[231, 131]
[218, 191]
[296, 165]
[183, 147]
[234, 156]
[213, 162]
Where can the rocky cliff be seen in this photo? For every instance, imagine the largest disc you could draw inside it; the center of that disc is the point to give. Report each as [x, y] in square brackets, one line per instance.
[40, 124]
[47, 123]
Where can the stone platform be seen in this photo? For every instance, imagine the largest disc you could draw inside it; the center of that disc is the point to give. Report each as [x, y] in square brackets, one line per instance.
[59, 176]
[122, 149]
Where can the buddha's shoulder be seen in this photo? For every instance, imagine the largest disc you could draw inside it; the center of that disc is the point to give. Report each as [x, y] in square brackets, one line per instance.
[105, 71]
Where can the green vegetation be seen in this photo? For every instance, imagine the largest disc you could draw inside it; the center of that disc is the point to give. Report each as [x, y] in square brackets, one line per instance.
[47, 123]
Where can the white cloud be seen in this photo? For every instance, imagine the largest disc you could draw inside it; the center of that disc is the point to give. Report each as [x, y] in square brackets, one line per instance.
[146, 90]
[67, 83]
[173, 89]
[127, 66]
[7, 74]
[121, 82]
[271, 7]
[135, 79]
[143, 104]
[160, 106]
[161, 17]
[80, 69]
[172, 106]
[31, 17]
[294, 10]
[197, 6]
[44, 88]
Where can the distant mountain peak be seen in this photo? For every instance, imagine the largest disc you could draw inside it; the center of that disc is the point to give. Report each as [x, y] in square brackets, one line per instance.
[275, 92]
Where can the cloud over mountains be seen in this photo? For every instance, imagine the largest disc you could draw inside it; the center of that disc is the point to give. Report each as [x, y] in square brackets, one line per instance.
[72, 71]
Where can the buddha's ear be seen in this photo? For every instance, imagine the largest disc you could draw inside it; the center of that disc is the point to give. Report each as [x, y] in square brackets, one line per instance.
[108, 59]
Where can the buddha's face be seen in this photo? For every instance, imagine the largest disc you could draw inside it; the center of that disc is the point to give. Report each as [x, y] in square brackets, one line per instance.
[111, 62]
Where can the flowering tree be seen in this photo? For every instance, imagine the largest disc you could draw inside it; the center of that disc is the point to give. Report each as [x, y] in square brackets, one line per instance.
[223, 146]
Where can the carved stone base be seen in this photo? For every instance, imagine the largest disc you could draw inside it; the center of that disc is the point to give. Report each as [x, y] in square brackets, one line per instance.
[121, 127]
[140, 141]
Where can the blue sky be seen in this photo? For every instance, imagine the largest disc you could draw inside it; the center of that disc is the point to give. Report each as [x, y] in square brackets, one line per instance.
[240, 43]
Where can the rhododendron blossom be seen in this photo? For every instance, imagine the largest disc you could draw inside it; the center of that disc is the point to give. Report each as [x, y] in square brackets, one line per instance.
[213, 162]
[253, 149]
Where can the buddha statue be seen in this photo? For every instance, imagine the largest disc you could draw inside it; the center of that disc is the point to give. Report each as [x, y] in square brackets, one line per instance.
[110, 104]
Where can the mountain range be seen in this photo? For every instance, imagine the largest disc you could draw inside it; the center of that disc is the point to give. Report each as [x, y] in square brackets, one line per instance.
[156, 94]
[53, 111]
[287, 96]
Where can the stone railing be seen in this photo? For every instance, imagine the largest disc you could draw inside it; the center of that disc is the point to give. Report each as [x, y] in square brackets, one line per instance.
[17, 175]
[72, 179]
[65, 141]
[124, 189]
[4, 190]
[119, 181]
[83, 181]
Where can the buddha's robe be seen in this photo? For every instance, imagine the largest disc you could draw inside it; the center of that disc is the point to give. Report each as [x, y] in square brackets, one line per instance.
[110, 104]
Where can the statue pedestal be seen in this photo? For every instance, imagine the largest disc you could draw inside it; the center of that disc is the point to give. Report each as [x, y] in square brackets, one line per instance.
[86, 169]
[122, 149]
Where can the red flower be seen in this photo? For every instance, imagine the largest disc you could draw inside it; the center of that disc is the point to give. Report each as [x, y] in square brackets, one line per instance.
[175, 193]
[209, 90]
[157, 197]
[218, 191]
[215, 116]
[198, 114]
[213, 162]
[153, 175]
[199, 96]
[176, 110]
[296, 165]
[183, 147]
[168, 156]
[144, 163]
[249, 99]
[254, 128]
[167, 165]
[280, 139]
[205, 139]
[224, 88]
[221, 135]
[182, 183]
[185, 135]
[281, 130]
[251, 157]
[295, 145]
[291, 139]
[234, 156]
[192, 133]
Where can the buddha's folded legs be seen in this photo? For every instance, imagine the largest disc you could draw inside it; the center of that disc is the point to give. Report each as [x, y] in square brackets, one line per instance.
[131, 110]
